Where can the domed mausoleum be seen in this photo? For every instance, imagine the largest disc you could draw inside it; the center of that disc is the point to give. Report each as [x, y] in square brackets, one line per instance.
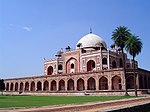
[90, 68]
[91, 41]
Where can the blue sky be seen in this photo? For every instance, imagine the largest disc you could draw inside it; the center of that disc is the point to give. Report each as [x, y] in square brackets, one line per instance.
[31, 30]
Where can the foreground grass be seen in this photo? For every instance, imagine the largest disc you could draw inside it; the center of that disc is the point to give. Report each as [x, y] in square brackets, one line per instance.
[36, 101]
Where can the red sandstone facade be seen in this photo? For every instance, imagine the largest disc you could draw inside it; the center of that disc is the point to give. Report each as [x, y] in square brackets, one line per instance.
[90, 67]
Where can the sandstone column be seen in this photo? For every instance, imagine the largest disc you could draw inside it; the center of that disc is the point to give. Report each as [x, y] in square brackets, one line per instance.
[49, 85]
[23, 86]
[19, 86]
[97, 83]
[29, 85]
[42, 88]
[57, 85]
[66, 84]
[9, 86]
[75, 85]
[109, 82]
[85, 84]
[123, 81]
[35, 85]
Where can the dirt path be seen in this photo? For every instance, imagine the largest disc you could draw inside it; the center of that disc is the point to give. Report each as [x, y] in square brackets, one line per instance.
[87, 107]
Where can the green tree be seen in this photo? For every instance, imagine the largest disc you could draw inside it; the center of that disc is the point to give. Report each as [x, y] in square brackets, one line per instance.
[2, 85]
[120, 36]
[134, 47]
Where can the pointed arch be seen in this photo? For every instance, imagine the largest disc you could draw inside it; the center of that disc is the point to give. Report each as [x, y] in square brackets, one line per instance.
[61, 85]
[72, 65]
[46, 86]
[80, 84]
[7, 87]
[32, 86]
[27, 86]
[21, 86]
[104, 61]
[11, 86]
[50, 70]
[70, 84]
[39, 86]
[91, 84]
[103, 83]
[16, 86]
[116, 83]
[90, 65]
[130, 82]
[53, 85]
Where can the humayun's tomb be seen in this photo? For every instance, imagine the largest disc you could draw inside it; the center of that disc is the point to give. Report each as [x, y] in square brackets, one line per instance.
[89, 69]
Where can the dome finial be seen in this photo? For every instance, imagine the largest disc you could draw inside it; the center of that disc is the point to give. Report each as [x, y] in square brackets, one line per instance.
[90, 30]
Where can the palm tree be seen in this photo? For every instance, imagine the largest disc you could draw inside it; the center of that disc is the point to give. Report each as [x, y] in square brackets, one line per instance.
[134, 46]
[120, 36]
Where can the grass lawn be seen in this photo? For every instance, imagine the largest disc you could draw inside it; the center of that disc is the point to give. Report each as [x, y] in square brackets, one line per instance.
[36, 101]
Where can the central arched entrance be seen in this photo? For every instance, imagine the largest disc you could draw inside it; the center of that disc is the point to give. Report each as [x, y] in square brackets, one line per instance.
[80, 84]
[91, 84]
[72, 65]
[90, 65]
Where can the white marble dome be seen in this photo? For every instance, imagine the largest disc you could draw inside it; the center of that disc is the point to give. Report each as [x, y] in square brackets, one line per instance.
[91, 40]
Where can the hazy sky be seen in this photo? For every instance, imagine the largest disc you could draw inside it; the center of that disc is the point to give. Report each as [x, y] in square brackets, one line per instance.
[31, 30]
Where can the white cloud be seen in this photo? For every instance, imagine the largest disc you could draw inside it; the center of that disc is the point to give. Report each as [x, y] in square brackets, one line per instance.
[27, 28]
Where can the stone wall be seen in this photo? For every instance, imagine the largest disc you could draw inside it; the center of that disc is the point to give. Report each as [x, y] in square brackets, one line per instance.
[73, 93]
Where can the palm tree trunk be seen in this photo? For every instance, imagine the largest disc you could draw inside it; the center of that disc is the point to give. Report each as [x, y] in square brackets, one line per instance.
[124, 69]
[135, 89]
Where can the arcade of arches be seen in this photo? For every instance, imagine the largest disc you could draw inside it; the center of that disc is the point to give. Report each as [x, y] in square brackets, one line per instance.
[67, 85]
[78, 84]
